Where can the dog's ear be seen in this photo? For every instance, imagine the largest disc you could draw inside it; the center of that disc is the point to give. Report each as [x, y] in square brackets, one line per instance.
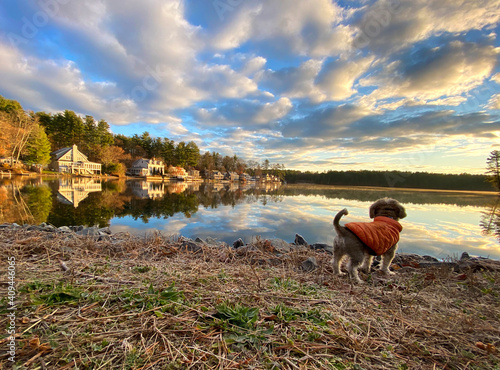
[401, 211]
[374, 207]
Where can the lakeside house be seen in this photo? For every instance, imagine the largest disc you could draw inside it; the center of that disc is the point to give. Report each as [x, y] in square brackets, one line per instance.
[245, 177]
[194, 175]
[147, 167]
[177, 173]
[71, 160]
[215, 175]
[232, 176]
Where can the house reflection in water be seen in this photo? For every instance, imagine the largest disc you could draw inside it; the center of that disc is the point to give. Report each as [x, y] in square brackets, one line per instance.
[147, 189]
[73, 190]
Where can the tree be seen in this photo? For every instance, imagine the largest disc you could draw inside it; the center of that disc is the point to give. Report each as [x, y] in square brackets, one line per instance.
[9, 106]
[19, 127]
[38, 147]
[64, 129]
[181, 154]
[193, 154]
[168, 151]
[493, 169]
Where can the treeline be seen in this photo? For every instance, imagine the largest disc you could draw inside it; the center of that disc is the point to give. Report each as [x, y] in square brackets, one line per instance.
[31, 137]
[393, 179]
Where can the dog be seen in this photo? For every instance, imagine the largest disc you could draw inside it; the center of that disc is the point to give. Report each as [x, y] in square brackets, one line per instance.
[362, 241]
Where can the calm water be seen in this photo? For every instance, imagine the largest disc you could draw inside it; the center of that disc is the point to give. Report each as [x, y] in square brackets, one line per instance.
[440, 224]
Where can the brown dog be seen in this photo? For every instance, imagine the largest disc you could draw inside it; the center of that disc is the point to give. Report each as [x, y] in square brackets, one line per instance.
[361, 241]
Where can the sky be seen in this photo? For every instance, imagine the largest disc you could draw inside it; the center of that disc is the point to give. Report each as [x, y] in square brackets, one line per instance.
[410, 85]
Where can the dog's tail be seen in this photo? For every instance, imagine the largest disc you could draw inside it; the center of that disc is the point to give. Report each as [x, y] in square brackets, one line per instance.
[339, 229]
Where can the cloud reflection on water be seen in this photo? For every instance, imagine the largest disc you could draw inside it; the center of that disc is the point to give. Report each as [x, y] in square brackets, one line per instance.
[440, 230]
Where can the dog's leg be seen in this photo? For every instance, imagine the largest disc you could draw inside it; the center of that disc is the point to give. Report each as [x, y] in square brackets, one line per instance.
[338, 255]
[353, 270]
[356, 258]
[367, 263]
[387, 258]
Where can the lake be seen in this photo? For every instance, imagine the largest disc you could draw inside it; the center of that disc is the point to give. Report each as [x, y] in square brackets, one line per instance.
[441, 224]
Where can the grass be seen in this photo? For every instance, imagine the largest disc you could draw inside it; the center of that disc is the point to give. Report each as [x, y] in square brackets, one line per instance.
[131, 303]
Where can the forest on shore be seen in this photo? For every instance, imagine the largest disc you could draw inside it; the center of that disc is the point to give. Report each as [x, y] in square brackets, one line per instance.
[393, 179]
[30, 137]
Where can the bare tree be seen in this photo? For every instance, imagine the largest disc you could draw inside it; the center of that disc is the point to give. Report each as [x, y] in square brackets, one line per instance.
[19, 125]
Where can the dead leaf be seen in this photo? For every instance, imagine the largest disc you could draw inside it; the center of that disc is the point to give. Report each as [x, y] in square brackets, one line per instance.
[34, 343]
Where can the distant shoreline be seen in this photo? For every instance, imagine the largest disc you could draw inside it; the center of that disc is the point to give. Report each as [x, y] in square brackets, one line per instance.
[312, 185]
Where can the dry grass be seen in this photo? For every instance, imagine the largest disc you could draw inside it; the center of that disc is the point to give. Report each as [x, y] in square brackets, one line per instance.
[130, 303]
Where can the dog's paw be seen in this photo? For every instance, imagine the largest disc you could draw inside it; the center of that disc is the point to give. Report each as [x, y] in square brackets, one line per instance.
[387, 272]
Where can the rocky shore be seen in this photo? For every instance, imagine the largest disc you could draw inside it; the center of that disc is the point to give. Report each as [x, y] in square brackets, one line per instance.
[275, 247]
[86, 298]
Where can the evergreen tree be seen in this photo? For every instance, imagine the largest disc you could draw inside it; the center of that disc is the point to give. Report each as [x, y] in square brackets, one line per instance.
[38, 147]
[493, 169]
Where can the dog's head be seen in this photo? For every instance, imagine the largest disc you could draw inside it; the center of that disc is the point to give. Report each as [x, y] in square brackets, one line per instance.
[387, 207]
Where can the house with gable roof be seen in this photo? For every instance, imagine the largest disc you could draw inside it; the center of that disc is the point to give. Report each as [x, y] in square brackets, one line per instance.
[147, 167]
[71, 160]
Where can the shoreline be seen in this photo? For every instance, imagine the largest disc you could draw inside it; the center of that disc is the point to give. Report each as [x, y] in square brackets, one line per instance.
[277, 246]
[478, 192]
[298, 184]
[157, 302]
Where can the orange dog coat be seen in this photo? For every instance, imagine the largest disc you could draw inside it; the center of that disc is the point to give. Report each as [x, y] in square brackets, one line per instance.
[379, 235]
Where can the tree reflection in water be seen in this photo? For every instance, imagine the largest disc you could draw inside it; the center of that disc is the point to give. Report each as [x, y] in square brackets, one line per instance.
[490, 219]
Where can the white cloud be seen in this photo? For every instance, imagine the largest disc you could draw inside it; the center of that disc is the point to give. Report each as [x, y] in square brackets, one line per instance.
[434, 74]
[273, 111]
[494, 102]
[313, 27]
[337, 78]
[391, 25]
[295, 82]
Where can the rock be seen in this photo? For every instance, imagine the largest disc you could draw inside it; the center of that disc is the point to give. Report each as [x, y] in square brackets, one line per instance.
[322, 247]
[190, 246]
[90, 231]
[238, 243]
[211, 241]
[280, 245]
[34, 228]
[49, 228]
[309, 264]
[199, 240]
[64, 229]
[105, 231]
[465, 256]
[299, 240]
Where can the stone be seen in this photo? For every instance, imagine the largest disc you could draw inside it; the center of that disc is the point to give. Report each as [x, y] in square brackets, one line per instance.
[211, 241]
[90, 231]
[64, 229]
[309, 264]
[280, 245]
[299, 240]
[465, 256]
[238, 243]
[322, 247]
[190, 246]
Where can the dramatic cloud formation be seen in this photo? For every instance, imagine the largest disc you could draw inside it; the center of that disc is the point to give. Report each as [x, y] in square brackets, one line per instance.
[315, 85]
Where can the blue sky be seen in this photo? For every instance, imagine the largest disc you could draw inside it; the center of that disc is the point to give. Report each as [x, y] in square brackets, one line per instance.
[314, 85]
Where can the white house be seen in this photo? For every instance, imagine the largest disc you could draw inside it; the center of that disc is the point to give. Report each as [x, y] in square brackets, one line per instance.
[147, 167]
[71, 160]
